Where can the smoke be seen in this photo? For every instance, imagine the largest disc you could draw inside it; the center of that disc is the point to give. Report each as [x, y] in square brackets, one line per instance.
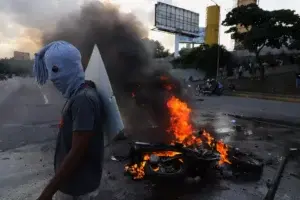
[128, 60]
[117, 35]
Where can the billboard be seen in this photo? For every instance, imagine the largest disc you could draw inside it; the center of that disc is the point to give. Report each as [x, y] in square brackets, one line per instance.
[176, 20]
[197, 40]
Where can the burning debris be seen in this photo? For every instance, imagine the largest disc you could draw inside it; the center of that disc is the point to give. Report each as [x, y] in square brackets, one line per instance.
[188, 154]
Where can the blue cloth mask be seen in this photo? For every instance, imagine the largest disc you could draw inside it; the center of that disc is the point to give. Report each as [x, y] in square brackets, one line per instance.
[60, 62]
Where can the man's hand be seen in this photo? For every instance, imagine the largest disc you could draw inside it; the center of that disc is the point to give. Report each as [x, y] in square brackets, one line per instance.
[47, 194]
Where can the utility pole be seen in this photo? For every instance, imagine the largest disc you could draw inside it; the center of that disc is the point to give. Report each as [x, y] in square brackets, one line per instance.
[219, 48]
[218, 51]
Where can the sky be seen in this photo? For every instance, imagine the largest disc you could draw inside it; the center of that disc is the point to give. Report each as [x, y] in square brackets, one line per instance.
[19, 18]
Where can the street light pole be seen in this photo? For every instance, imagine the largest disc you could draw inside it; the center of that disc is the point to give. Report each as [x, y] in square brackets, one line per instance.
[218, 54]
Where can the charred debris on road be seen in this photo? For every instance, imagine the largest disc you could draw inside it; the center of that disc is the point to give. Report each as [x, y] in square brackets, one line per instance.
[185, 153]
[191, 162]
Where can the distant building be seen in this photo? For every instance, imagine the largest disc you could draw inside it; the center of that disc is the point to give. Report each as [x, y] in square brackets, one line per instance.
[18, 55]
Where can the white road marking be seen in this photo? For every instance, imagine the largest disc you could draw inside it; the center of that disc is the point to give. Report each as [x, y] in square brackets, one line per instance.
[45, 99]
[44, 96]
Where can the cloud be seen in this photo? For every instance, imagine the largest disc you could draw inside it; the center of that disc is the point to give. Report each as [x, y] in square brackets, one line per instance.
[17, 15]
[36, 14]
[21, 22]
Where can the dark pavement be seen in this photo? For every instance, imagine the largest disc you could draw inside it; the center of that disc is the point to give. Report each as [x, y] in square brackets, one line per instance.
[28, 126]
[249, 107]
[29, 115]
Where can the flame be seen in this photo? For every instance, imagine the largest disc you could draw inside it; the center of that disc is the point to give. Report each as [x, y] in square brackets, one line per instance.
[208, 137]
[161, 154]
[180, 125]
[163, 78]
[138, 170]
[182, 130]
[222, 149]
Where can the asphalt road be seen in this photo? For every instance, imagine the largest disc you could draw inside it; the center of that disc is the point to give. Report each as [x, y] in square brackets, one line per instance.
[28, 115]
[28, 125]
[253, 108]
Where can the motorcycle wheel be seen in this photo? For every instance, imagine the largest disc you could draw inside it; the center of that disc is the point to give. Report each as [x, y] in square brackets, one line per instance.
[174, 169]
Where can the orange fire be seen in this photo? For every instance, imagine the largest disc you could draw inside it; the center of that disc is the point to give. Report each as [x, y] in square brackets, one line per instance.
[163, 78]
[182, 130]
[180, 125]
[137, 170]
[222, 149]
[209, 138]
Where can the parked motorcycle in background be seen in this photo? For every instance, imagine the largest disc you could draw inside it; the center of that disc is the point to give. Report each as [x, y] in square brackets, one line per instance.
[209, 88]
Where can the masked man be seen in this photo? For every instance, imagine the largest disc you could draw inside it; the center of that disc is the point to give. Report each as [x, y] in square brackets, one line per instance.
[79, 149]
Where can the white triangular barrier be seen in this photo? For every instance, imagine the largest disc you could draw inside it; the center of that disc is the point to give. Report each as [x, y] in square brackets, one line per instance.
[97, 73]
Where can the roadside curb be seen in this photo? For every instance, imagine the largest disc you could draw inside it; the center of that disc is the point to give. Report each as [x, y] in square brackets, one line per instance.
[287, 123]
[265, 97]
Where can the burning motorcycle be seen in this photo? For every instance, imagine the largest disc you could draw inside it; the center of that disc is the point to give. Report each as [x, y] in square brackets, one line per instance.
[169, 161]
[187, 151]
[177, 161]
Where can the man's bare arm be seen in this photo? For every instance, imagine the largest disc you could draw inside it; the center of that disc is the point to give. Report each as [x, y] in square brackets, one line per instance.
[80, 142]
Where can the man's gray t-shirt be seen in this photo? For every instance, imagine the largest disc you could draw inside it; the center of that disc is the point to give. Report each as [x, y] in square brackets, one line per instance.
[82, 113]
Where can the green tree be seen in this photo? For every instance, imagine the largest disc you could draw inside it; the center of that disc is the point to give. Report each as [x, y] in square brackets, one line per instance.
[160, 51]
[184, 51]
[4, 67]
[17, 67]
[295, 41]
[263, 28]
[204, 58]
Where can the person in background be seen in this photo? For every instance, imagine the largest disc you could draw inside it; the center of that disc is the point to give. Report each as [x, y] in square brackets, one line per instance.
[297, 80]
[231, 87]
[241, 71]
[80, 144]
[220, 86]
[208, 84]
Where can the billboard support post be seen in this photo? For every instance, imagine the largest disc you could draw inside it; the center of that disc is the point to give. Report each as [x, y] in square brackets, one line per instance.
[176, 52]
[179, 21]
